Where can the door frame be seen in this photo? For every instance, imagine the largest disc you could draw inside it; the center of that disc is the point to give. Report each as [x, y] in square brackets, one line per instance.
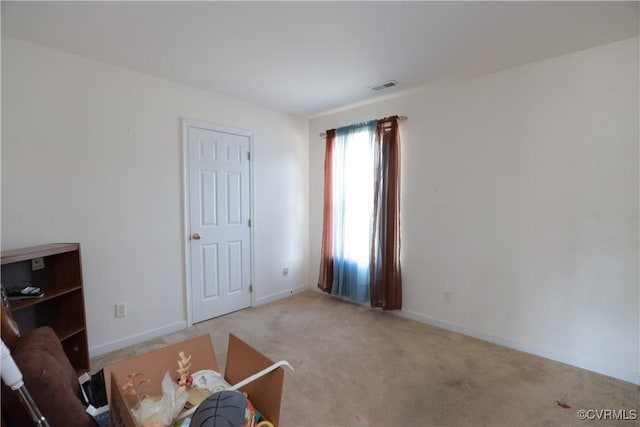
[186, 226]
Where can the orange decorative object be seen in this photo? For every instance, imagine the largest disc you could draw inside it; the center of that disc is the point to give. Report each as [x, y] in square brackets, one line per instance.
[130, 386]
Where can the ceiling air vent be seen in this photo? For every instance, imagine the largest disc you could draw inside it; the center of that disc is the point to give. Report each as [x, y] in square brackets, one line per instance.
[385, 85]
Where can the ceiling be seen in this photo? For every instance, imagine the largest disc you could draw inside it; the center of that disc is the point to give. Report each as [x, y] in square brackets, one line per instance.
[309, 57]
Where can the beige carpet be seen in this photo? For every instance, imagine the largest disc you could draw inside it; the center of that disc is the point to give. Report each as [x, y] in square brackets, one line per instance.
[361, 367]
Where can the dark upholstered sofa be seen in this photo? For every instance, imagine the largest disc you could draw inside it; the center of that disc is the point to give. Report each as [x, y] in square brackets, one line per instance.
[48, 376]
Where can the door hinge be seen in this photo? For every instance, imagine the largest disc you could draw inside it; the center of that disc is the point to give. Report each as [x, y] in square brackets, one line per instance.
[249, 223]
[250, 289]
[248, 155]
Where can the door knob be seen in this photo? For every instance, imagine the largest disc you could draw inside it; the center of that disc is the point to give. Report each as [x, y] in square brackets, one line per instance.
[195, 236]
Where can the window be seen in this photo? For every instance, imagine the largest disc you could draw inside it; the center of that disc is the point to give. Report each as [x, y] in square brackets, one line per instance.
[352, 210]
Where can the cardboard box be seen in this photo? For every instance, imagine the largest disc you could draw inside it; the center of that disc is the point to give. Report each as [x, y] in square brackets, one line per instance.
[242, 362]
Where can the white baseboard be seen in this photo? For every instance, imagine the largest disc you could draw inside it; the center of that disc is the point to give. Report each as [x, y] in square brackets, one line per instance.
[590, 365]
[279, 295]
[136, 339]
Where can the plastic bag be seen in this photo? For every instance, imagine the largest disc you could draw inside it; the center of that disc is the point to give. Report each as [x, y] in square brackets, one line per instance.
[156, 412]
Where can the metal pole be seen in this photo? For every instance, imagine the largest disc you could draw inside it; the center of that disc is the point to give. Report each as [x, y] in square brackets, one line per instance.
[12, 377]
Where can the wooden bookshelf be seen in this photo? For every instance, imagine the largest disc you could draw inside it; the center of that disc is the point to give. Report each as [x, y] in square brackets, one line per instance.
[62, 306]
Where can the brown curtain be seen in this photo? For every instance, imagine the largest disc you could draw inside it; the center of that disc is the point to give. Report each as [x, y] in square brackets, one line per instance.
[325, 282]
[386, 282]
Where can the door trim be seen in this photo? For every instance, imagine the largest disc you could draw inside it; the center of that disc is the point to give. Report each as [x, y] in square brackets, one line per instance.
[186, 226]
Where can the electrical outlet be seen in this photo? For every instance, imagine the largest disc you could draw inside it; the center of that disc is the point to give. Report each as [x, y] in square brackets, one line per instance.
[446, 297]
[121, 310]
[37, 264]
[285, 270]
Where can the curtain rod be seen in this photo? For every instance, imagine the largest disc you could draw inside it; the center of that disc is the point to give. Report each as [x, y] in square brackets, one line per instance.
[400, 118]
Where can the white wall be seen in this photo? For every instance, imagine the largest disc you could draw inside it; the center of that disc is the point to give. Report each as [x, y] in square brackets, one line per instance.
[520, 197]
[92, 153]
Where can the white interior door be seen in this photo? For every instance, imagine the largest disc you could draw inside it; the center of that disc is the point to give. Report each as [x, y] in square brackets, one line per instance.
[218, 220]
